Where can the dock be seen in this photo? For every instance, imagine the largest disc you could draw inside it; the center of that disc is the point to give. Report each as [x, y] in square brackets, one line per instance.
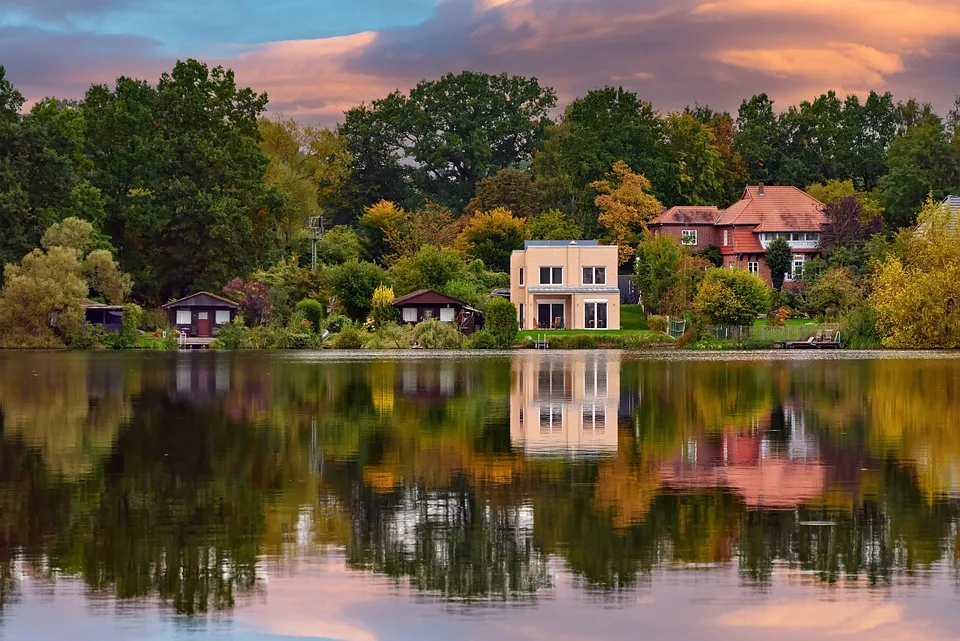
[194, 342]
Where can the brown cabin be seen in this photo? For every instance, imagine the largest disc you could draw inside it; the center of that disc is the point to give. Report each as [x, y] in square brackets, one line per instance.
[109, 317]
[201, 315]
[426, 304]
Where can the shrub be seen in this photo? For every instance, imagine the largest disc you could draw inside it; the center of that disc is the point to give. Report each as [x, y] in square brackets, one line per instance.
[336, 322]
[482, 339]
[501, 322]
[83, 336]
[391, 336]
[349, 337]
[657, 323]
[129, 334]
[232, 335]
[779, 316]
[434, 334]
[381, 307]
[834, 291]
[858, 328]
[154, 319]
[353, 284]
[731, 297]
[312, 310]
[655, 269]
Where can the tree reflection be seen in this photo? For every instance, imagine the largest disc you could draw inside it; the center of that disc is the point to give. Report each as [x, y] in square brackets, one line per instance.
[176, 475]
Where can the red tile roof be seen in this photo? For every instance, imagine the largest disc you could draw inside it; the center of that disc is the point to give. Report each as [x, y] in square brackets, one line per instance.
[778, 209]
[688, 216]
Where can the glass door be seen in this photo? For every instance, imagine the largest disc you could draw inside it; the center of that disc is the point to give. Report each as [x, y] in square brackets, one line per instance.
[550, 316]
[595, 315]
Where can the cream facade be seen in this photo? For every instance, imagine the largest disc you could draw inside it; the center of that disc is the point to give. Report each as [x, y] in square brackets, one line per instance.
[565, 284]
[562, 405]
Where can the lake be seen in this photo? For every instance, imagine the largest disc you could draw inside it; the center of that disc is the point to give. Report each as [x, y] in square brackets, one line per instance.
[536, 495]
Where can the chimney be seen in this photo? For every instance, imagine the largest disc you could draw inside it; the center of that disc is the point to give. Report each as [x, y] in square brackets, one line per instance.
[760, 189]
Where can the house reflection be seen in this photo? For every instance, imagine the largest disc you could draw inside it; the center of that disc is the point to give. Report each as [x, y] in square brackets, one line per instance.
[773, 462]
[202, 376]
[431, 383]
[565, 404]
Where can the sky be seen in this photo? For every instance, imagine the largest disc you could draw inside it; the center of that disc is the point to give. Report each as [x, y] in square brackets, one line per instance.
[316, 58]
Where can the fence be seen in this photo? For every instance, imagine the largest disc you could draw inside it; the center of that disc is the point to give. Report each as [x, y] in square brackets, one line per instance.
[768, 333]
[676, 328]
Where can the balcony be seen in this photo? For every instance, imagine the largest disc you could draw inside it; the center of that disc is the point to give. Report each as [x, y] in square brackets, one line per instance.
[796, 240]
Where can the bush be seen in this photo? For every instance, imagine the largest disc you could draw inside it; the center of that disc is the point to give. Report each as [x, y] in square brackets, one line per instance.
[834, 291]
[858, 328]
[336, 323]
[353, 284]
[129, 334]
[232, 335]
[501, 322]
[382, 308]
[349, 337]
[778, 317]
[731, 297]
[655, 269]
[657, 323]
[434, 334]
[312, 310]
[83, 336]
[154, 319]
[391, 336]
[482, 339]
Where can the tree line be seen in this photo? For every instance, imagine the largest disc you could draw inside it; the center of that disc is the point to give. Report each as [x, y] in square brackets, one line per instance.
[190, 184]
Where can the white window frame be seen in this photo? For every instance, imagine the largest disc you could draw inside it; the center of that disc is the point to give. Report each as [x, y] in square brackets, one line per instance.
[686, 235]
[753, 267]
[592, 270]
[596, 301]
[184, 313]
[552, 273]
[203, 315]
[221, 317]
[522, 278]
[726, 237]
[409, 314]
[792, 274]
[446, 312]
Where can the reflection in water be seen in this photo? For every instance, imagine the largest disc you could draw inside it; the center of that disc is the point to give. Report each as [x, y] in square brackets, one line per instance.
[195, 480]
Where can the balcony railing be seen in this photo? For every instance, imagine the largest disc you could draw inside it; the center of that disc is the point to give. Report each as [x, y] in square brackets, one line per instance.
[795, 244]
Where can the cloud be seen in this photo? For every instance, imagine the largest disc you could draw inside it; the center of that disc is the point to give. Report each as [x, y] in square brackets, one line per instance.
[58, 9]
[844, 618]
[672, 52]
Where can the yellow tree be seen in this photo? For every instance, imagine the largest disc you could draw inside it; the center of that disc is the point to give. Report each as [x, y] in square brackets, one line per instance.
[379, 222]
[307, 164]
[491, 236]
[626, 206]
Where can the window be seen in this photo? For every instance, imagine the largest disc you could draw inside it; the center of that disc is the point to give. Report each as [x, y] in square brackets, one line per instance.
[551, 275]
[595, 379]
[222, 317]
[594, 275]
[595, 314]
[409, 314]
[688, 237]
[797, 272]
[446, 314]
[726, 237]
[551, 418]
[523, 276]
[754, 267]
[594, 418]
[184, 317]
[203, 315]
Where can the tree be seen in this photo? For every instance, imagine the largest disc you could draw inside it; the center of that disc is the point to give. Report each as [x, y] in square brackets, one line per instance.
[921, 161]
[457, 130]
[627, 205]
[695, 167]
[757, 137]
[658, 260]
[377, 223]
[312, 310]
[339, 245]
[253, 297]
[41, 302]
[834, 291]
[734, 175]
[308, 165]
[184, 177]
[779, 257]
[430, 268]
[381, 306]
[731, 297]
[431, 225]
[848, 224]
[492, 236]
[501, 322]
[917, 294]
[553, 225]
[510, 189]
[678, 299]
[353, 284]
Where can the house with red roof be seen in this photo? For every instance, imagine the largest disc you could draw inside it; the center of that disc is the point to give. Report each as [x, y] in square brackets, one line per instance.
[744, 230]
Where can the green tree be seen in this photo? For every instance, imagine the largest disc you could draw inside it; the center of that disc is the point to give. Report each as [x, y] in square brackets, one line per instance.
[655, 272]
[833, 292]
[501, 322]
[731, 297]
[695, 167]
[921, 161]
[339, 245]
[430, 268]
[457, 130]
[184, 176]
[492, 236]
[553, 225]
[757, 138]
[312, 310]
[779, 257]
[511, 189]
[353, 284]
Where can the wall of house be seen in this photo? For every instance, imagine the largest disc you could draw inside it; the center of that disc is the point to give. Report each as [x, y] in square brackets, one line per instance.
[426, 311]
[572, 258]
[191, 329]
[706, 234]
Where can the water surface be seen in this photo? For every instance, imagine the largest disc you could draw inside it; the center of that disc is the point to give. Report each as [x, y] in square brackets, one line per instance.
[540, 495]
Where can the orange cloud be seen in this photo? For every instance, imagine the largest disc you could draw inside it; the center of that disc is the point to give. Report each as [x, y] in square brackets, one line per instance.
[836, 64]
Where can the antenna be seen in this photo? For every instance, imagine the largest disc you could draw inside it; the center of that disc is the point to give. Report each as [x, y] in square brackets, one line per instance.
[315, 224]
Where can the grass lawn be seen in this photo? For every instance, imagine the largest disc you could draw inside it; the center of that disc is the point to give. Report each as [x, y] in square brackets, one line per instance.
[790, 321]
[631, 317]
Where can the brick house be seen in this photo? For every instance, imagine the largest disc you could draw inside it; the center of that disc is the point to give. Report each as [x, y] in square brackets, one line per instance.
[743, 231]
[693, 227]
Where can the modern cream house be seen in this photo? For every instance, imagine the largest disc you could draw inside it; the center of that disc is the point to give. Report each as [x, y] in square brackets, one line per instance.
[565, 284]
[565, 405]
